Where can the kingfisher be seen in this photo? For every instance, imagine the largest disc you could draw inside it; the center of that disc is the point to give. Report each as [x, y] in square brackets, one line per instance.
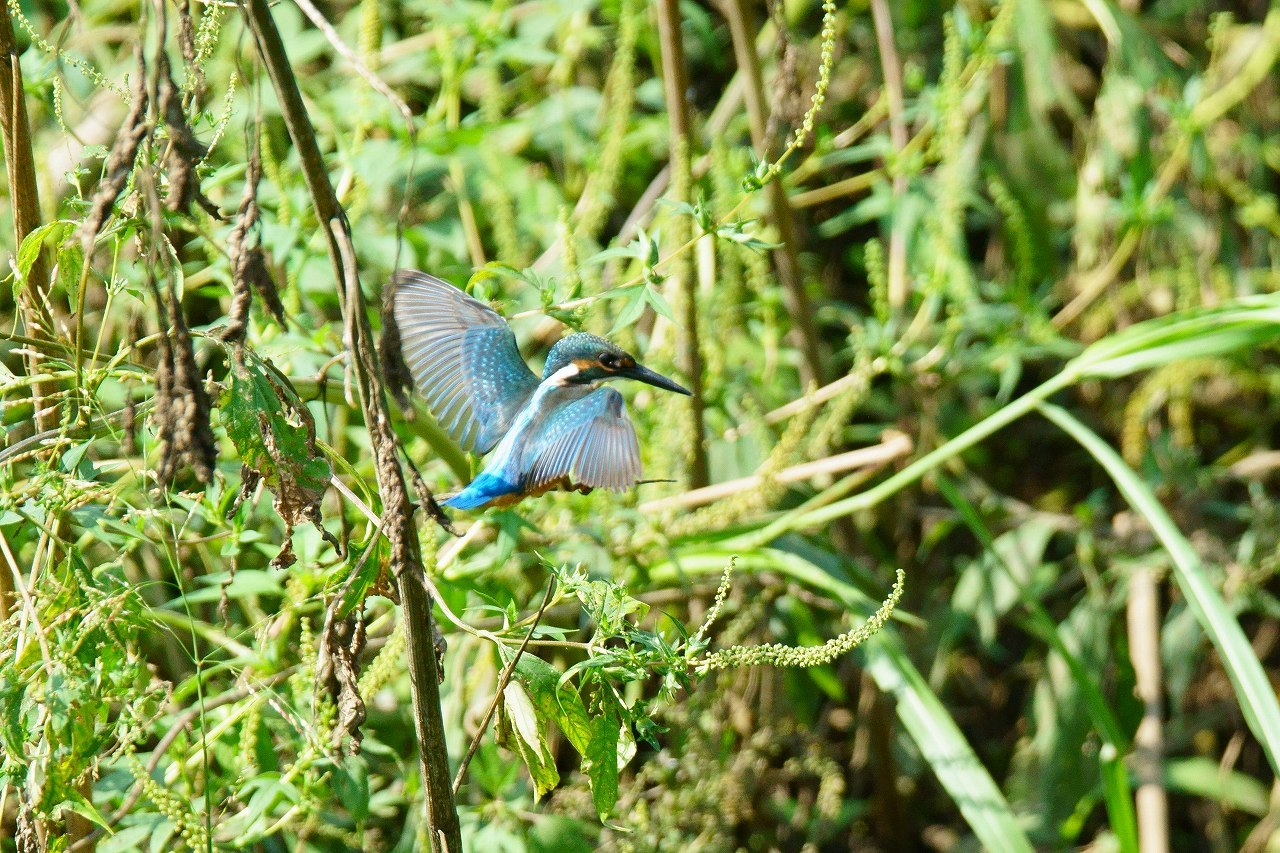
[563, 431]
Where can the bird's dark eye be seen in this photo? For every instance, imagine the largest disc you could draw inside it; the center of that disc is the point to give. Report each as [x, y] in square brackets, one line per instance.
[608, 359]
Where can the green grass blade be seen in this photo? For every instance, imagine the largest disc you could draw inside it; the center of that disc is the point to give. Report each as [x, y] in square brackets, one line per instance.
[1257, 698]
[1115, 744]
[944, 747]
[1192, 333]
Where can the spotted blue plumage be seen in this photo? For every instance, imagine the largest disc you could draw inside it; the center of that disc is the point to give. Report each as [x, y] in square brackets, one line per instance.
[561, 432]
[463, 357]
[589, 440]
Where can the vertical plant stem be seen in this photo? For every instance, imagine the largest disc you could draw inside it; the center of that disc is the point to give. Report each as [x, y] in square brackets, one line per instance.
[675, 84]
[892, 69]
[15, 138]
[25, 197]
[397, 512]
[1148, 742]
[804, 334]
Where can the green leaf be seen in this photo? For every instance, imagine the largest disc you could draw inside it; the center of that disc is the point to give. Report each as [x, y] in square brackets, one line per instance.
[1193, 333]
[126, 840]
[631, 311]
[602, 761]
[31, 244]
[274, 434]
[557, 702]
[629, 251]
[1204, 777]
[944, 747]
[522, 730]
[246, 583]
[82, 806]
[1253, 691]
[659, 303]
[595, 738]
[70, 263]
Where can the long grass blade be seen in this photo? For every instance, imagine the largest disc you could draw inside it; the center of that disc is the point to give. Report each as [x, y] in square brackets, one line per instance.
[944, 746]
[1257, 698]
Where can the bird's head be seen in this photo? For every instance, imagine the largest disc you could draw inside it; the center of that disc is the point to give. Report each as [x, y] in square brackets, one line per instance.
[581, 359]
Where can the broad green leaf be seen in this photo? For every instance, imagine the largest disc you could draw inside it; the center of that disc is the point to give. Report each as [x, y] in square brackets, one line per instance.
[631, 310]
[275, 436]
[85, 808]
[596, 739]
[126, 840]
[522, 731]
[554, 701]
[70, 264]
[659, 303]
[602, 761]
[276, 441]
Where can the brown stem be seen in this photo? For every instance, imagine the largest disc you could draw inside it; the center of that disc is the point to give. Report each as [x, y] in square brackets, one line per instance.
[397, 512]
[1148, 743]
[803, 332]
[15, 138]
[675, 85]
[20, 163]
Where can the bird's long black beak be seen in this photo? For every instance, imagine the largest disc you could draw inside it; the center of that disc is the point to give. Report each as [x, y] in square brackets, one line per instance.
[657, 380]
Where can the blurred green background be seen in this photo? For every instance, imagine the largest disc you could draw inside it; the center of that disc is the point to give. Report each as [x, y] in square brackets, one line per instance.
[997, 205]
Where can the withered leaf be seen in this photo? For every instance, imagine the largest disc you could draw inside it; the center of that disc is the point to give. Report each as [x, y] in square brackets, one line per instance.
[275, 436]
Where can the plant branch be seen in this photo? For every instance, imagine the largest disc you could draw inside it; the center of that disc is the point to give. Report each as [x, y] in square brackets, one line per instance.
[892, 69]
[15, 132]
[1144, 650]
[405, 556]
[781, 213]
[675, 84]
[894, 445]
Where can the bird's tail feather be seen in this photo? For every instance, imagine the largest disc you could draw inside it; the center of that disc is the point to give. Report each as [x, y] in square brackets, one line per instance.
[481, 491]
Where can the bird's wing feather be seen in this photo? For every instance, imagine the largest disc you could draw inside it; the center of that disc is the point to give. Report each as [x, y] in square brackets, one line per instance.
[464, 358]
[590, 441]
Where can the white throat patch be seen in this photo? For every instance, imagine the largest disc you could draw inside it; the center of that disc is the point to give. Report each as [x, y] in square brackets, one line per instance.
[562, 376]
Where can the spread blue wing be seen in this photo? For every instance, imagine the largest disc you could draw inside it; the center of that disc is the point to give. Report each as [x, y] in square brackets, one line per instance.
[589, 440]
[464, 358]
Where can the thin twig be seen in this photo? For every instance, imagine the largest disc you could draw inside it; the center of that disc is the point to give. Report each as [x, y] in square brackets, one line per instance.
[802, 404]
[502, 685]
[895, 445]
[374, 81]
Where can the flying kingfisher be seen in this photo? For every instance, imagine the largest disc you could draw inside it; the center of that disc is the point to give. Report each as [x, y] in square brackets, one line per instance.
[564, 431]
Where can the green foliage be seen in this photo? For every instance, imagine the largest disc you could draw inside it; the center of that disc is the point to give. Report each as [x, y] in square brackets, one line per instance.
[930, 647]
